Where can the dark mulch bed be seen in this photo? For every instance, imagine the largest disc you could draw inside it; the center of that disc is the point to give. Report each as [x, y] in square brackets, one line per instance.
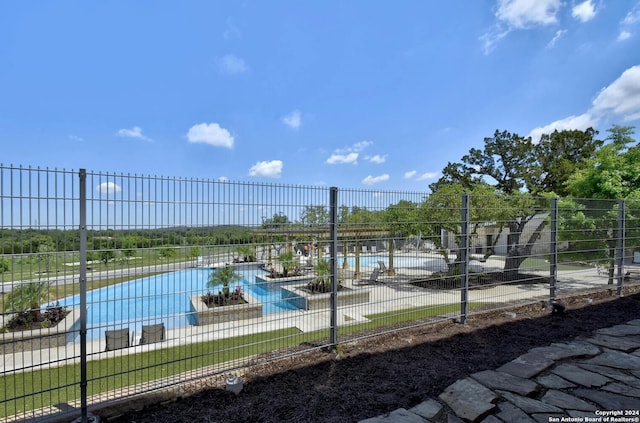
[380, 374]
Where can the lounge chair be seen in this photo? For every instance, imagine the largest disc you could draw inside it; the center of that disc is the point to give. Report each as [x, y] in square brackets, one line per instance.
[383, 267]
[152, 333]
[117, 339]
[373, 279]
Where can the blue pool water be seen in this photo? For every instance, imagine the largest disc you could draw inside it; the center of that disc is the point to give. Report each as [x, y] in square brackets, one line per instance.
[164, 298]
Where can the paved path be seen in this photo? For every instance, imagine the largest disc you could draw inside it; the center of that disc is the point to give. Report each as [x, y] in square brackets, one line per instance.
[594, 379]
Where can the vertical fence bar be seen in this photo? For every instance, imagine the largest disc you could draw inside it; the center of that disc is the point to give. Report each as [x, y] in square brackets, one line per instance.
[464, 258]
[620, 247]
[83, 293]
[553, 246]
[333, 225]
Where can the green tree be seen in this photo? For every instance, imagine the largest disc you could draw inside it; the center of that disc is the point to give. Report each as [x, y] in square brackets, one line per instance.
[279, 220]
[515, 168]
[613, 172]
[559, 155]
[45, 255]
[106, 256]
[5, 265]
[590, 219]
[315, 216]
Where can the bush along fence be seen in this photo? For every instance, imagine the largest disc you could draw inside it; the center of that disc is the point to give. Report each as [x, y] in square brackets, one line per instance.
[118, 285]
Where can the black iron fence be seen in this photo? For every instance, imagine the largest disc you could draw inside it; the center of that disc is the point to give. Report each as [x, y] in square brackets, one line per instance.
[117, 285]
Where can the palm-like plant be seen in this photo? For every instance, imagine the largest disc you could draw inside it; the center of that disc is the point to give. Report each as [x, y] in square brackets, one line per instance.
[322, 282]
[223, 276]
[28, 296]
[286, 260]
[246, 251]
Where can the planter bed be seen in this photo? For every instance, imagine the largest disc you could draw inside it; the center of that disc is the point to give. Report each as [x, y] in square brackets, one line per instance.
[305, 300]
[41, 338]
[262, 279]
[209, 315]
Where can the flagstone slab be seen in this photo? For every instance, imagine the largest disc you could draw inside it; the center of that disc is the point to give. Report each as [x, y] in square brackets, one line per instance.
[552, 381]
[510, 413]
[616, 359]
[578, 348]
[529, 405]
[527, 365]
[580, 376]
[563, 400]
[619, 388]
[608, 400]
[623, 343]
[430, 409]
[469, 399]
[612, 373]
[620, 330]
[505, 381]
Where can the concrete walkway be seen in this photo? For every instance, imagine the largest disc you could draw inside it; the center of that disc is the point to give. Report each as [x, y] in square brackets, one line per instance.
[594, 379]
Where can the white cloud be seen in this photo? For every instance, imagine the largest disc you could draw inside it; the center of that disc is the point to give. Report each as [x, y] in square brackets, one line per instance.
[223, 179]
[624, 35]
[370, 180]
[424, 177]
[622, 96]
[633, 15]
[620, 100]
[343, 158]
[584, 11]
[631, 18]
[231, 65]
[76, 138]
[377, 159]
[519, 14]
[210, 133]
[349, 154]
[410, 174]
[491, 38]
[580, 122]
[135, 132]
[293, 120]
[522, 14]
[427, 176]
[231, 31]
[108, 188]
[559, 34]
[272, 169]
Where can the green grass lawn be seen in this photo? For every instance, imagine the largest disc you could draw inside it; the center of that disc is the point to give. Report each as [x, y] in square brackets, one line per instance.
[40, 388]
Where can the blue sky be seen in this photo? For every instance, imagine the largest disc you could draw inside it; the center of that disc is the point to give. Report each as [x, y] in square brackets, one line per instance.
[358, 94]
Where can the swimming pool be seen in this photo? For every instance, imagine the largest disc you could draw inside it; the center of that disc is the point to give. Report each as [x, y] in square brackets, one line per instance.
[164, 298]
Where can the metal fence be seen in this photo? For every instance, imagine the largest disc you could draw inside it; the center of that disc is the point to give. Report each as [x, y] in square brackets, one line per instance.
[287, 269]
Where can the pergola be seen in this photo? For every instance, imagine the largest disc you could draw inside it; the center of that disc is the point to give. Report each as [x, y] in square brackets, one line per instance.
[320, 234]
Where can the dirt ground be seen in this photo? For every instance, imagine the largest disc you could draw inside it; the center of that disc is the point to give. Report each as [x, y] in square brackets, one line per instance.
[377, 375]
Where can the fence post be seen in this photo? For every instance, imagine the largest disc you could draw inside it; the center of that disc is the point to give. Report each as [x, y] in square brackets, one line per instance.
[464, 258]
[620, 247]
[83, 294]
[553, 253]
[333, 227]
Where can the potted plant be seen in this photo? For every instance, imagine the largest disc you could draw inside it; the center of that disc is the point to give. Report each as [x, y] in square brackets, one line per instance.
[223, 276]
